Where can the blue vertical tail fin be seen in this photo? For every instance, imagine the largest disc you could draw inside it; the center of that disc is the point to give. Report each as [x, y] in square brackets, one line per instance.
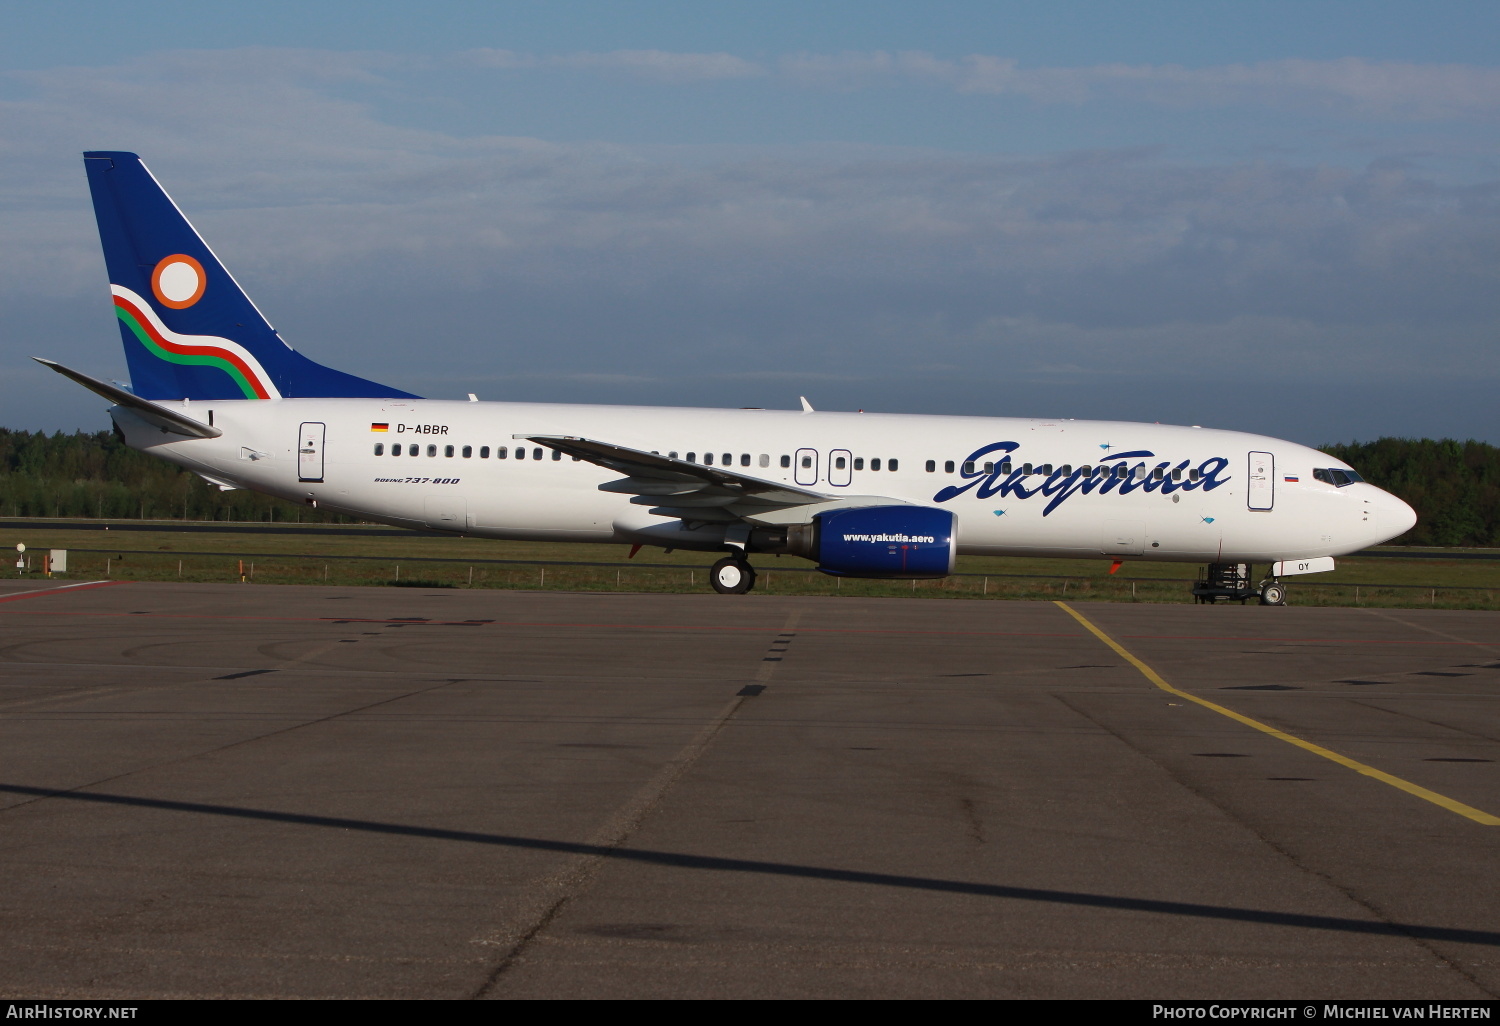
[190, 332]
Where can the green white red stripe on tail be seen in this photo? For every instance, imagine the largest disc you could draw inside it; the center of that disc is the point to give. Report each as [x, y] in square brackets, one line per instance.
[192, 350]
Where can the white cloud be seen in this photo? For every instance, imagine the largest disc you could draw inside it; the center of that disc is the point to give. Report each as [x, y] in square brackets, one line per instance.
[1374, 88]
[1381, 89]
[656, 65]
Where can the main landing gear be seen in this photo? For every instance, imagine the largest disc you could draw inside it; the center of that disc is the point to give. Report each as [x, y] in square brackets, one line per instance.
[732, 575]
[1231, 582]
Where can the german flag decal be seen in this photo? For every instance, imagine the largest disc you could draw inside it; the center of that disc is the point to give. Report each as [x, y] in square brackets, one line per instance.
[380, 427]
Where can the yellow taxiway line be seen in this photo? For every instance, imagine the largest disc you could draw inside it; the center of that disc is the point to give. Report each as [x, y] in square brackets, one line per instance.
[1467, 811]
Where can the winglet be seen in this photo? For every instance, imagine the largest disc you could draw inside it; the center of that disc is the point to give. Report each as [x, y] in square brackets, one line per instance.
[806, 406]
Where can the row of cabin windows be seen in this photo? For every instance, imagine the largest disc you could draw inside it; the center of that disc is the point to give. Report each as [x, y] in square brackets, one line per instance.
[467, 451]
[839, 462]
[1066, 470]
[725, 459]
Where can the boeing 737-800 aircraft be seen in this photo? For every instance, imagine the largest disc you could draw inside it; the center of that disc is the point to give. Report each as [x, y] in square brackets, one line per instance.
[215, 389]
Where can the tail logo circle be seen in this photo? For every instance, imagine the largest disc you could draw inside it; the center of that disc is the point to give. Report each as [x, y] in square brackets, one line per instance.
[178, 281]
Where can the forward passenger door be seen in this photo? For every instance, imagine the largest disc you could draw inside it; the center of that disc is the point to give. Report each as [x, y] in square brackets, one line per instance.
[1261, 494]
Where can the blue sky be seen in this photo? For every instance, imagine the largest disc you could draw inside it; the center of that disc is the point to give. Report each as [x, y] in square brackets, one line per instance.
[1278, 216]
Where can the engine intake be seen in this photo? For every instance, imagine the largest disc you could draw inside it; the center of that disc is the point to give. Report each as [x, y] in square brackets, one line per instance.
[879, 541]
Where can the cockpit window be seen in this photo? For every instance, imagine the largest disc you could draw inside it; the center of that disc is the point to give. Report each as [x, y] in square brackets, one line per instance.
[1336, 476]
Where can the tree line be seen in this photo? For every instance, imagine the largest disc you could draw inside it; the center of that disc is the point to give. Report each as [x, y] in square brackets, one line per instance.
[94, 474]
[1454, 486]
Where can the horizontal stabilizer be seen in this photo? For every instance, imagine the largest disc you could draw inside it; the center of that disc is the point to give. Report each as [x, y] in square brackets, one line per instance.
[167, 420]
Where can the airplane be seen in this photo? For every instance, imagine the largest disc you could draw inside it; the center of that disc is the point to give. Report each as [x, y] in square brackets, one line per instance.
[214, 389]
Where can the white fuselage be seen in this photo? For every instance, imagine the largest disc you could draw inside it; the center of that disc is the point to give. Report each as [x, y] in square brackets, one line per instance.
[1187, 496]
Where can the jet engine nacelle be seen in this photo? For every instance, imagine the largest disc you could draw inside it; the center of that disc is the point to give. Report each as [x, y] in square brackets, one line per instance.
[879, 541]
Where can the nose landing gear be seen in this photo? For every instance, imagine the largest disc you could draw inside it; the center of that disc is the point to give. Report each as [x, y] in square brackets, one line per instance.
[1231, 582]
[1272, 593]
[732, 575]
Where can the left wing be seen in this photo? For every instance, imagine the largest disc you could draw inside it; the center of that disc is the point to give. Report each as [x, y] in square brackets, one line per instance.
[676, 488]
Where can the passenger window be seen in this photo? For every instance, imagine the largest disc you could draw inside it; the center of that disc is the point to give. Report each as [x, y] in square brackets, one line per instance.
[859, 463]
[1005, 467]
[875, 463]
[968, 467]
[1177, 474]
[1085, 471]
[412, 450]
[520, 452]
[728, 460]
[1046, 470]
[379, 448]
[671, 455]
[536, 453]
[893, 464]
[765, 460]
[1140, 472]
[744, 459]
[1026, 469]
[556, 455]
[931, 466]
[1121, 470]
[806, 462]
[989, 468]
[1067, 469]
[1193, 474]
[692, 457]
[786, 461]
[484, 452]
[431, 451]
[448, 451]
[501, 452]
[839, 463]
[948, 466]
[468, 451]
[708, 459]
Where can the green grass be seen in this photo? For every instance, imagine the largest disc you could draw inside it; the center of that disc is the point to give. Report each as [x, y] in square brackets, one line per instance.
[318, 555]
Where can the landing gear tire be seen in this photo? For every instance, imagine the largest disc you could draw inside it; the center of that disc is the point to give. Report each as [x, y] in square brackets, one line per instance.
[1273, 594]
[731, 576]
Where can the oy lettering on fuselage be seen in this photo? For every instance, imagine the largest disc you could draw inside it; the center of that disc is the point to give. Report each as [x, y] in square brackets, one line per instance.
[1103, 478]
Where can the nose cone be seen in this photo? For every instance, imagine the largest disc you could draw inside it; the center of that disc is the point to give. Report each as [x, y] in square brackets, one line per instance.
[1393, 517]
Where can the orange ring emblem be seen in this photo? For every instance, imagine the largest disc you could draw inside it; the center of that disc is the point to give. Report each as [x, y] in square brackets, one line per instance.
[178, 281]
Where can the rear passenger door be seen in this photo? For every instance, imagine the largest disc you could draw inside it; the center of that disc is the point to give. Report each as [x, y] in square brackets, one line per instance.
[310, 438]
